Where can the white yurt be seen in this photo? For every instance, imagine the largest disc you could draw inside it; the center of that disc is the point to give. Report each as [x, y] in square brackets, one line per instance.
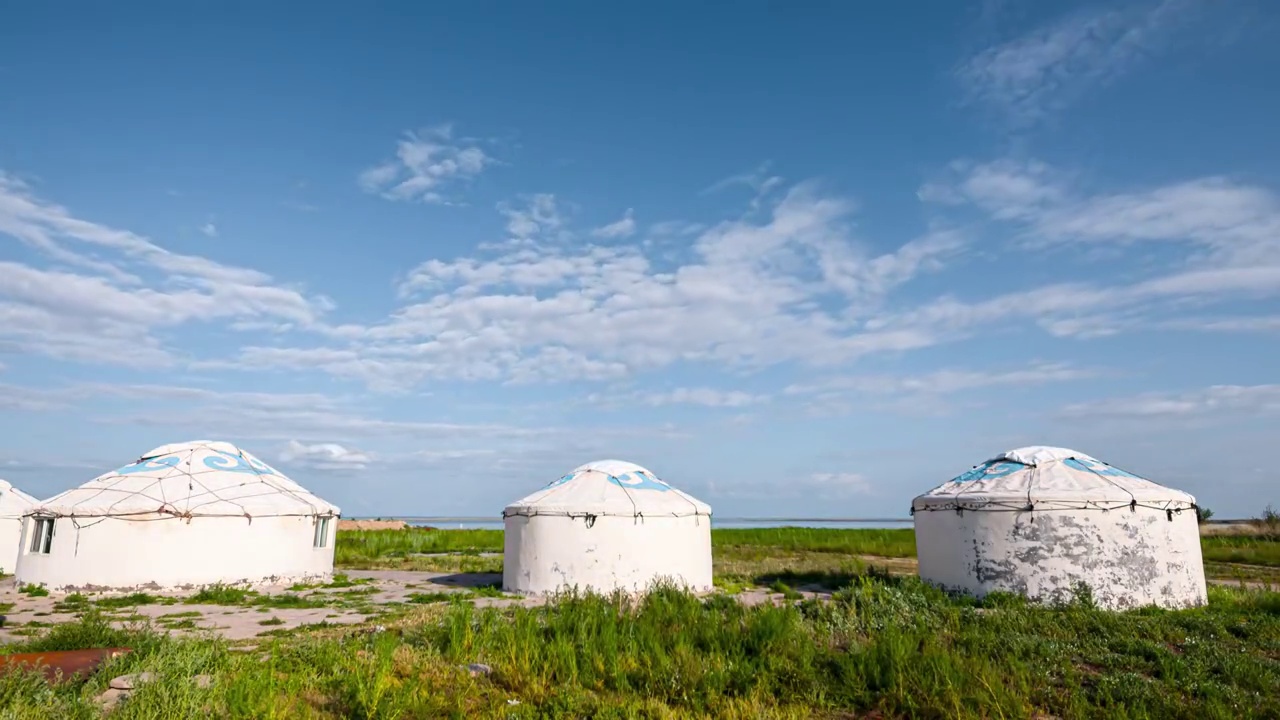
[181, 516]
[13, 505]
[1039, 520]
[608, 525]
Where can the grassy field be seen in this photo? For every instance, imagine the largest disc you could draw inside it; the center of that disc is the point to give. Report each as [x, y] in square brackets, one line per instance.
[754, 555]
[884, 646]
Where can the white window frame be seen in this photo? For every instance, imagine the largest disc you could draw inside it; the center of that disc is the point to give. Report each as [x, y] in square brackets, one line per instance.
[321, 539]
[41, 535]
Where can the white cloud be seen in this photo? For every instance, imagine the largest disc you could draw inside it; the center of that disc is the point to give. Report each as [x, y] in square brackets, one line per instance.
[625, 227]
[836, 484]
[538, 216]
[705, 397]
[1227, 234]
[325, 456]
[946, 381]
[810, 487]
[761, 181]
[426, 164]
[209, 229]
[1033, 76]
[1210, 401]
[754, 294]
[88, 307]
[1258, 323]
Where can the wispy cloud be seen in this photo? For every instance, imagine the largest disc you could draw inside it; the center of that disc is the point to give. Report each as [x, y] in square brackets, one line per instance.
[108, 291]
[324, 456]
[1222, 238]
[426, 164]
[209, 229]
[705, 397]
[756, 293]
[761, 181]
[532, 216]
[625, 227]
[1042, 72]
[947, 381]
[1210, 401]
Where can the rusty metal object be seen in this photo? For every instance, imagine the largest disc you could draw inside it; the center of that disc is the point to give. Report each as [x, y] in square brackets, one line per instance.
[66, 662]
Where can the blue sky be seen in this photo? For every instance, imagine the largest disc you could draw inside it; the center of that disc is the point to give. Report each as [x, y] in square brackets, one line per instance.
[796, 260]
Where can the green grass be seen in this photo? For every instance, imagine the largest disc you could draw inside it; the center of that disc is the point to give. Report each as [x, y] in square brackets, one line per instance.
[289, 600]
[131, 600]
[1242, 549]
[886, 646]
[895, 543]
[34, 590]
[220, 595]
[797, 556]
[359, 548]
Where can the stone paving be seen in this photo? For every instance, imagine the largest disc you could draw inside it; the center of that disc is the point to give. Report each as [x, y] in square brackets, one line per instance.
[26, 614]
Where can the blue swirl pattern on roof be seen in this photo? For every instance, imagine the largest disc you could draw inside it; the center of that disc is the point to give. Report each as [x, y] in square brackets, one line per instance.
[1099, 468]
[249, 466]
[638, 480]
[990, 470]
[150, 464]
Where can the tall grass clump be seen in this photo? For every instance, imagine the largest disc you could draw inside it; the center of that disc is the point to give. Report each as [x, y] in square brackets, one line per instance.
[357, 548]
[881, 542]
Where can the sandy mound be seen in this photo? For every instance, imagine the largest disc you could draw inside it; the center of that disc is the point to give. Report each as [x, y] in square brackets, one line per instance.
[372, 525]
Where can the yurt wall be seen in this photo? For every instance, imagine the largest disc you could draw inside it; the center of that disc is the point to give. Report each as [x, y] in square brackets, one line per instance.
[608, 525]
[1043, 521]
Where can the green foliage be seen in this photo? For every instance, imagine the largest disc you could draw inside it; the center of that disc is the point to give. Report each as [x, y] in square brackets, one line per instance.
[1243, 549]
[884, 646]
[1203, 514]
[34, 590]
[219, 594]
[892, 543]
[131, 600]
[1269, 521]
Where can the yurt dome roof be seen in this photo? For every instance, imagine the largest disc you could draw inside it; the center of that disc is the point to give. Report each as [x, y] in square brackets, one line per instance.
[609, 487]
[1043, 477]
[13, 502]
[201, 478]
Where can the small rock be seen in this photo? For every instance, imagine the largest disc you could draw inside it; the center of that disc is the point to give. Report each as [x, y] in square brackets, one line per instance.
[112, 697]
[203, 681]
[478, 669]
[129, 682]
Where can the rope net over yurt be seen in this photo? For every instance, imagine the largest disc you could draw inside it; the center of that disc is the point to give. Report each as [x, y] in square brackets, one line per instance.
[608, 487]
[189, 480]
[13, 502]
[1047, 478]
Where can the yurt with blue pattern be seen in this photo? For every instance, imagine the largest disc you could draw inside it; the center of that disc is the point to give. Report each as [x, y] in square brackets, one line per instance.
[181, 516]
[606, 525]
[1051, 523]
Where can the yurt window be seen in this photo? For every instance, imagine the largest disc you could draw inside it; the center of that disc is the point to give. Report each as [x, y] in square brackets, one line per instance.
[322, 532]
[41, 535]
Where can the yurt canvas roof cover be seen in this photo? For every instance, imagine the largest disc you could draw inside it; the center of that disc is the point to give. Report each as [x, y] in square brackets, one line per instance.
[13, 502]
[1044, 477]
[609, 487]
[201, 478]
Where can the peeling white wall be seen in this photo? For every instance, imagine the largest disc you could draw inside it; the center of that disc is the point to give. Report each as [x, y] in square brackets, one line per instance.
[160, 552]
[1129, 558]
[544, 553]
